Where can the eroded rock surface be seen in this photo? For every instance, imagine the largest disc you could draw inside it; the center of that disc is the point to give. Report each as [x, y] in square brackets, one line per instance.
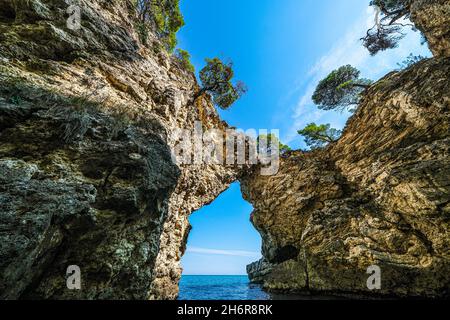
[86, 132]
[379, 196]
[432, 17]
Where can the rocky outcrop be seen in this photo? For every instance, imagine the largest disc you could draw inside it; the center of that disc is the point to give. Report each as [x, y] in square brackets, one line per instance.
[87, 118]
[432, 17]
[379, 196]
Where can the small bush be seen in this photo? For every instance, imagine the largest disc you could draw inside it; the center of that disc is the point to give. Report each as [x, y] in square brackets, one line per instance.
[142, 31]
[410, 61]
[75, 126]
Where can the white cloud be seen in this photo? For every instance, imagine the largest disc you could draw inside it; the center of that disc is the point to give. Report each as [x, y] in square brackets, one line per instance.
[236, 253]
[348, 50]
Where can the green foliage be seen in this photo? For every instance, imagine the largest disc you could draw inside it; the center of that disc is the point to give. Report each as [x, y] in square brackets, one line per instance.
[318, 136]
[268, 141]
[162, 16]
[185, 59]
[410, 61]
[340, 89]
[216, 78]
[391, 5]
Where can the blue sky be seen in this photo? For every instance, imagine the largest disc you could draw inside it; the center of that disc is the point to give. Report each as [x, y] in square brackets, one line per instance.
[281, 49]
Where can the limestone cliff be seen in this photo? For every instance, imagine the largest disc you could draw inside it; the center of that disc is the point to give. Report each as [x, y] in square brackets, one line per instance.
[379, 196]
[87, 177]
[87, 122]
[432, 17]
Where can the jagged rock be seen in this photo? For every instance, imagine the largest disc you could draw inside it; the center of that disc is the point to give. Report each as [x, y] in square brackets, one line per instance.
[379, 196]
[87, 122]
[258, 270]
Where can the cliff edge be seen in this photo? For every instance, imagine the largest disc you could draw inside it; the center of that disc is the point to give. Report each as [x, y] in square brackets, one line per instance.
[378, 198]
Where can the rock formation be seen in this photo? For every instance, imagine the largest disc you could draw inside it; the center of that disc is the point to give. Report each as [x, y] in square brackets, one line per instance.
[380, 196]
[87, 123]
[432, 17]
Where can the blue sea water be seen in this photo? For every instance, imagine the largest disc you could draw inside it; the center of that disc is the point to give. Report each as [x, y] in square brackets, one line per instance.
[219, 288]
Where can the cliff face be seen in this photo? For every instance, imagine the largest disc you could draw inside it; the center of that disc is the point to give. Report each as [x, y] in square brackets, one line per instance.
[379, 196]
[86, 131]
[432, 17]
[87, 127]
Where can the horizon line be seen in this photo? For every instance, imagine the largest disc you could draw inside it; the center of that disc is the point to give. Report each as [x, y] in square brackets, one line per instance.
[207, 275]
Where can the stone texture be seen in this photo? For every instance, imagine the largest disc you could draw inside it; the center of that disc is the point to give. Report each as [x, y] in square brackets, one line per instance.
[379, 196]
[432, 17]
[87, 121]
[86, 136]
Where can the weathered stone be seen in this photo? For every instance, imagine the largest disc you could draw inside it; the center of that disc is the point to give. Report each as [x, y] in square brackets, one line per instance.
[86, 171]
[432, 17]
[379, 196]
[86, 174]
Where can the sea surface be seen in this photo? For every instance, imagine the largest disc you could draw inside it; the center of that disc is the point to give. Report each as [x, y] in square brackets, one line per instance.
[233, 288]
[220, 288]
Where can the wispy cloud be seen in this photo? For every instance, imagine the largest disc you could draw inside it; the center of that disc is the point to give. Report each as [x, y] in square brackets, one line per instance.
[235, 253]
[348, 50]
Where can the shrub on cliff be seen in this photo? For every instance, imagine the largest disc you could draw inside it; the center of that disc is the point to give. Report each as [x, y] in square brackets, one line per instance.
[318, 136]
[268, 140]
[387, 31]
[410, 61]
[163, 17]
[216, 79]
[184, 58]
[341, 89]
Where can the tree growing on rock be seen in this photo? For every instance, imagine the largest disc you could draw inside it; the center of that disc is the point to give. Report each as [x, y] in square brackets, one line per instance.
[410, 61]
[341, 89]
[216, 79]
[318, 136]
[387, 31]
[268, 140]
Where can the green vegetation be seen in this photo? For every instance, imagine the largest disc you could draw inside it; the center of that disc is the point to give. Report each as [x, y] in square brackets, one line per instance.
[16, 100]
[185, 59]
[341, 89]
[142, 30]
[216, 78]
[76, 124]
[162, 16]
[387, 32]
[318, 136]
[268, 141]
[409, 61]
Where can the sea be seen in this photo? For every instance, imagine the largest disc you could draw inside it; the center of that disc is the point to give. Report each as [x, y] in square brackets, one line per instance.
[220, 288]
[232, 288]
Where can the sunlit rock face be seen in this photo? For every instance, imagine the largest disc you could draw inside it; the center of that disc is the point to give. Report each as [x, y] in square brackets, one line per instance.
[86, 169]
[87, 117]
[379, 196]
